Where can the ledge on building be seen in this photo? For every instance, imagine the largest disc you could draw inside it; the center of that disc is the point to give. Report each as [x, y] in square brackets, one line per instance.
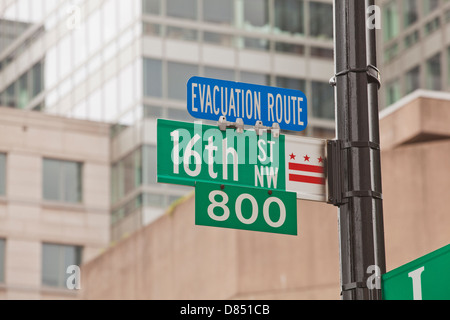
[422, 116]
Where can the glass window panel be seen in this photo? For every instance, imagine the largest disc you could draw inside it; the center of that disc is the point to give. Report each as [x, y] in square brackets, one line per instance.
[296, 49]
[323, 100]
[94, 32]
[321, 20]
[219, 73]
[51, 180]
[62, 181]
[152, 78]
[182, 9]
[23, 92]
[153, 112]
[137, 155]
[434, 73]
[430, 5]
[255, 78]
[257, 43]
[55, 261]
[289, 16]
[10, 95]
[126, 88]
[151, 29]
[393, 93]
[412, 80]
[182, 33]
[178, 114]
[178, 76]
[220, 11]
[411, 12]
[126, 13]
[109, 23]
[256, 13]
[391, 26]
[149, 165]
[128, 173]
[322, 52]
[110, 91]
[2, 260]
[151, 6]
[37, 79]
[65, 56]
[218, 38]
[72, 182]
[448, 66]
[290, 83]
[51, 266]
[2, 174]
[432, 26]
[155, 200]
[411, 39]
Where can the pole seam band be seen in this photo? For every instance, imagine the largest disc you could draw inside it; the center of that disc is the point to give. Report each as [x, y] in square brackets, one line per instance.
[363, 194]
[372, 72]
[353, 286]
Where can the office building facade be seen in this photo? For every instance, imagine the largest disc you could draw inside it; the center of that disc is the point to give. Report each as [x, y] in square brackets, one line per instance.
[127, 63]
[54, 202]
[414, 46]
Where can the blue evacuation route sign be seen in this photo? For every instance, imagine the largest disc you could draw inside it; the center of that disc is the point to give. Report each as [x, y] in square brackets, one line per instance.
[210, 99]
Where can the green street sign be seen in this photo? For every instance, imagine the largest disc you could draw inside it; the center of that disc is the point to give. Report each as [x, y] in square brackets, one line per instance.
[427, 278]
[194, 152]
[233, 207]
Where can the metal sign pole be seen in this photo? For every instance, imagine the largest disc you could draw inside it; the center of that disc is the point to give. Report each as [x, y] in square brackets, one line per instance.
[356, 188]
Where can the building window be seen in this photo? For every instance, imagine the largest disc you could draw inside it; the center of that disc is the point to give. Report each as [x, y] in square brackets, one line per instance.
[256, 13]
[448, 66]
[432, 26]
[391, 21]
[151, 6]
[127, 175]
[393, 93]
[152, 78]
[149, 168]
[411, 12]
[411, 39]
[323, 100]
[178, 76]
[412, 80]
[218, 11]
[289, 16]
[55, 261]
[62, 181]
[291, 83]
[2, 174]
[2, 260]
[186, 9]
[434, 73]
[321, 20]
[219, 73]
[255, 78]
[430, 5]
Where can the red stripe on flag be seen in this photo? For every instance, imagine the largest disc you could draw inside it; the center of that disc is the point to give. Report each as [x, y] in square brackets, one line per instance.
[306, 179]
[305, 167]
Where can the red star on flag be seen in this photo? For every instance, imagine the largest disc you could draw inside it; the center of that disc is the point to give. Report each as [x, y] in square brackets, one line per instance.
[292, 156]
[320, 160]
[307, 158]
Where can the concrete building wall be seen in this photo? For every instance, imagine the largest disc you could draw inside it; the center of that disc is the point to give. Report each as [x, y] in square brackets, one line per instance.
[173, 259]
[26, 220]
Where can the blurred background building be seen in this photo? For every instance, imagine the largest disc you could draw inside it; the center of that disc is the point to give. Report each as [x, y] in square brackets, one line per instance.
[414, 47]
[126, 63]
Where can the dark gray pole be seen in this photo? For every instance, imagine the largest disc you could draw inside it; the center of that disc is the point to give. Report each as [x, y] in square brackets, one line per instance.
[357, 83]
